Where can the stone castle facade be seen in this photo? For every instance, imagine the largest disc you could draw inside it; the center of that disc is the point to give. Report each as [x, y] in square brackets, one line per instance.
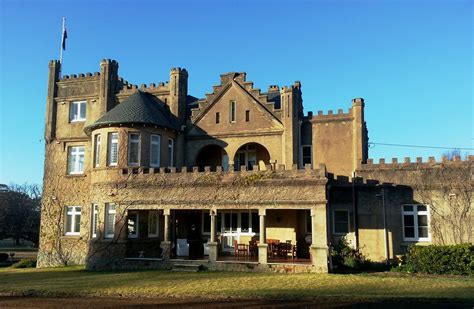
[141, 176]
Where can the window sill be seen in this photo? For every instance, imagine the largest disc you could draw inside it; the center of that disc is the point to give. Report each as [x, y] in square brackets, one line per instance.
[77, 121]
[416, 242]
[71, 237]
[75, 175]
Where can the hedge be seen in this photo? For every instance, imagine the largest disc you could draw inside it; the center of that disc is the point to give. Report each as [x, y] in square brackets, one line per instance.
[433, 259]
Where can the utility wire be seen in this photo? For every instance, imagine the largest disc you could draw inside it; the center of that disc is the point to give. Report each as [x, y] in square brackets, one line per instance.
[419, 146]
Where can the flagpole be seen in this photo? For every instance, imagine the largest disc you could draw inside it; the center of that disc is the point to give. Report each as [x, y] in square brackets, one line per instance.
[62, 39]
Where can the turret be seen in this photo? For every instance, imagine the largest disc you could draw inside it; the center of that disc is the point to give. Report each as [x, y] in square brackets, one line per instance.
[291, 106]
[51, 105]
[178, 86]
[107, 86]
[359, 136]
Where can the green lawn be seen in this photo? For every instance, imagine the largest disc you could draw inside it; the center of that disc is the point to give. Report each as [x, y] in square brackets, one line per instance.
[215, 285]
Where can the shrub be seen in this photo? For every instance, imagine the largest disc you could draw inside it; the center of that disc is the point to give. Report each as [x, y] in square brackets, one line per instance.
[345, 257]
[433, 259]
[3, 257]
[24, 263]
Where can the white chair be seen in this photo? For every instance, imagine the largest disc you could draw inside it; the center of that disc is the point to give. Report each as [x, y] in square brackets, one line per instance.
[182, 247]
[206, 247]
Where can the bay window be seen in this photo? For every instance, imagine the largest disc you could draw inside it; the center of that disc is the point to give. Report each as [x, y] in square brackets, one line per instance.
[134, 149]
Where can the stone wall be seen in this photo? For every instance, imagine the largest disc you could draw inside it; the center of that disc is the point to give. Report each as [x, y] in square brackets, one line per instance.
[446, 187]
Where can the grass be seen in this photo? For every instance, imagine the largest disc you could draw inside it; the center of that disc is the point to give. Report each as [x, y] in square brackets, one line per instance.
[68, 281]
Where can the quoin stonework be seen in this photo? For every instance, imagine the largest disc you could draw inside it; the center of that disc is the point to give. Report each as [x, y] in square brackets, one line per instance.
[243, 179]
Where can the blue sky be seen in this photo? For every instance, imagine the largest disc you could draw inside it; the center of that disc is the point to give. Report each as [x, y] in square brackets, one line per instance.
[411, 61]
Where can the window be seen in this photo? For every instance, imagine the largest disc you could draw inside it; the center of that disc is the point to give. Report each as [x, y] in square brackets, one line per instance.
[73, 220]
[171, 152]
[94, 220]
[155, 148]
[306, 157]
[134, 149]
[132, 224]
[75, 160]
[109, 220]
[244, 222]
[341, 222]
[153, 224]
[218, 117]
[113, 149]
[232, 111]
[247, 116]
[96, 150]
[77, 111]
[255, 222]
[415, 223]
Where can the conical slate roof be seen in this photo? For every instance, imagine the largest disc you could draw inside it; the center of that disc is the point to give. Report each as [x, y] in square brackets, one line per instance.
[140, 108]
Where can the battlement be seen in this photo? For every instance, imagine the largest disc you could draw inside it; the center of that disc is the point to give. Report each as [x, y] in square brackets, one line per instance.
[108, 61]
[419, 163]
[330, 116]
[80, 76]
[273, 88]
[178, 70]
[54, 62]
[307, 172]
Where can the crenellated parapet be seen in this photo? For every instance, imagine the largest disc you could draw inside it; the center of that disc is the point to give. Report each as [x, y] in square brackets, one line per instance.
[419, 163]
[331, 116]
[280, 169]
[80, 77]
[128, 89]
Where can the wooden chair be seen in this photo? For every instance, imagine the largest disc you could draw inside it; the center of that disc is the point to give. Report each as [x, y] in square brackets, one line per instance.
[240, 248]
[253, 248]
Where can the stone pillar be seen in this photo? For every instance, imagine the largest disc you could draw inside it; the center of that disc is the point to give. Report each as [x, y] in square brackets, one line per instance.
[166, 243]
[319, 247]
[262, 246]
[212, 244]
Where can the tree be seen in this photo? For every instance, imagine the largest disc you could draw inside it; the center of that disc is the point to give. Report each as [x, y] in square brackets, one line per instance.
[20, 212]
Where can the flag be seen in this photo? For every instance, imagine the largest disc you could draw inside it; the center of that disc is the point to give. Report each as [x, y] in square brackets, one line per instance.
[63, 42]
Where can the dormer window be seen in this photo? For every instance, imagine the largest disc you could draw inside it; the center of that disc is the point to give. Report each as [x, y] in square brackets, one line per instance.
[77, 111]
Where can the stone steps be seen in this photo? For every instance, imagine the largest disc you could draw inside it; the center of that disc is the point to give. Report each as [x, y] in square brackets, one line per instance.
[186, 267]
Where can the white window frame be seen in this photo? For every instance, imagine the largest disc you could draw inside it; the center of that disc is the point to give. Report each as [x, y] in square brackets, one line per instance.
[171, 152]
[232, 111]
[109, 211]
[97, 150]
[155, 233]
[415, 214]
[334, 222]
[80, 106]
[74, 168]
[113, 138]
[73, 211]
[134, 141]
[94, 220]
[137, 224]
[302, 157]
[157, 143]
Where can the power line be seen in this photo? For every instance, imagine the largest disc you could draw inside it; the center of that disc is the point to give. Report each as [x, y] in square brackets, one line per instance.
[420, 146]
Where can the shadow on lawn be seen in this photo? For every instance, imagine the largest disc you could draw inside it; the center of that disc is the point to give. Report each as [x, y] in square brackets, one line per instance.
[206, 304]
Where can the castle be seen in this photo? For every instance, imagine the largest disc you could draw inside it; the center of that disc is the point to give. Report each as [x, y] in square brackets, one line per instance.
[139, 177]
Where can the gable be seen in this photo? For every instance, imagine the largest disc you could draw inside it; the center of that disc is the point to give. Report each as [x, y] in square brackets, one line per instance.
[259, 118]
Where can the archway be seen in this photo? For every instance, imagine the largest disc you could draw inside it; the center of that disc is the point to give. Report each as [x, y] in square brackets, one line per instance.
[212, 155]
[251, 154]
